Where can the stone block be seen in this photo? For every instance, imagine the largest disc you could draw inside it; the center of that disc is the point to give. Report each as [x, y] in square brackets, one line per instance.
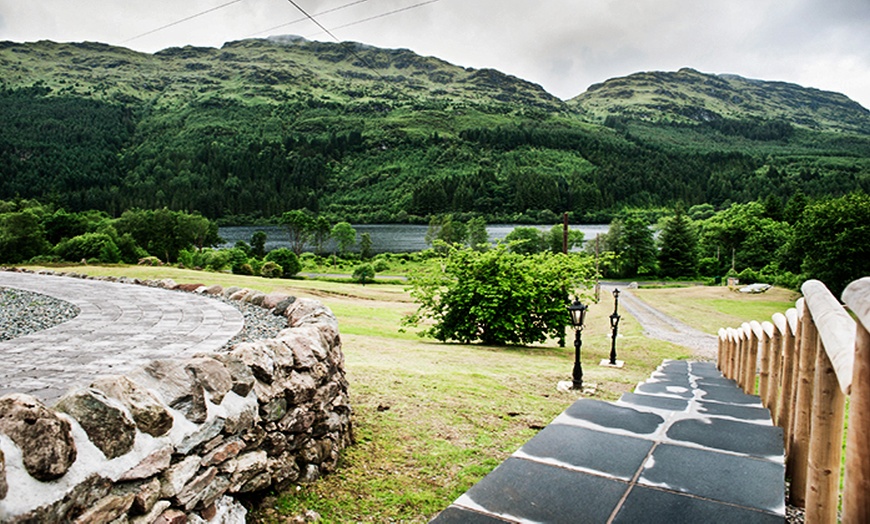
[259, 358]
[255, 298]
[45, 439]
[285, 360]
[192, 491]
[248, 466]
[214, 290]
[274, 410]
[172, 516]
[308, 311]
[107, 509]
[302, 345]
[149, 414]
[190, 288]
[212, 375]
[178, 475]
[273, 299]
[151, 465]
[204, 433]
[284, 468]
[242, 376]
[240, 294]
[152, 515]
[230, 291]
[282, 306]
[107, 426]
[240, 416]
[176, 386]
[299, 420]
[224, 452]
[300, 388]
[146, 497]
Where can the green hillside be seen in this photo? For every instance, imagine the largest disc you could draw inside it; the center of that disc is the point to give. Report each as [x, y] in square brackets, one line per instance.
[259, 127]
[689, 96]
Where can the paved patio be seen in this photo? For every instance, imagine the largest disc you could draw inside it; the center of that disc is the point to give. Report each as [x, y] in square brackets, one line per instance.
[687, 446]
[120, 327]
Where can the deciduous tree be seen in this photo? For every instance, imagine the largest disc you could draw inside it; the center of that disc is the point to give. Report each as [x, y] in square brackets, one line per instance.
[498, 296]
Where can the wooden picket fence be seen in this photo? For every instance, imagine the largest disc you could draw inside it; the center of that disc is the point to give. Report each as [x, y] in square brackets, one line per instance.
[808, 361]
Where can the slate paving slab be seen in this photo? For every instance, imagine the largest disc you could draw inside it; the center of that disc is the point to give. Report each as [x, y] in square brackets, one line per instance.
[654, 505]
[523, 490]
[120, 327]
[734, 479]
[588, 450]
[687, 446]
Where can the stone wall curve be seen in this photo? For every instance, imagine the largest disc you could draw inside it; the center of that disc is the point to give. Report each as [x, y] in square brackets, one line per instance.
[173, 441]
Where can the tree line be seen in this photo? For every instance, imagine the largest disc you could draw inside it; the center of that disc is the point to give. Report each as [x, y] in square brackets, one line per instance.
[237, 162]
[761, 241]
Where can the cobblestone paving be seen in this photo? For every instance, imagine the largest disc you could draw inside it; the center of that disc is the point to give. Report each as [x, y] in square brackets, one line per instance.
[120, 327]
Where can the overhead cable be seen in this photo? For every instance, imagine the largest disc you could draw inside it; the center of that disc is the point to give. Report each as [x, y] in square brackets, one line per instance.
[334, 9]
[382, 15]
[182, 20]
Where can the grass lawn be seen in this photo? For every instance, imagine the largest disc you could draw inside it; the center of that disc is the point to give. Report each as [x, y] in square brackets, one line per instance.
[710, 308]
[431, 419]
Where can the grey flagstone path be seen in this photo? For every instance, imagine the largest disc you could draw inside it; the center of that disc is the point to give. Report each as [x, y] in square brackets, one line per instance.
[687, 446]
[120, 327]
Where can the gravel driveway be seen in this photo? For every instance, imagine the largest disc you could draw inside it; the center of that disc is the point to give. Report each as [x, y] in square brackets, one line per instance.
[660, 326]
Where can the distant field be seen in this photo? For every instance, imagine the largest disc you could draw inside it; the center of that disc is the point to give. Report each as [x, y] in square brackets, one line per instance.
[710, 308]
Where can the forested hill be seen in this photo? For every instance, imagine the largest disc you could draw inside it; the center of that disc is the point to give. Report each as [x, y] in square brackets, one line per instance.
[689, 96]
[259, 127]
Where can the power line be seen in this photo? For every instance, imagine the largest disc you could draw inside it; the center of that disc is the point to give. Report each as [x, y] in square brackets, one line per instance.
[382, 15]
[352, 51]
[182, 20]
[327, 31]
[314, 20]
[334, 9]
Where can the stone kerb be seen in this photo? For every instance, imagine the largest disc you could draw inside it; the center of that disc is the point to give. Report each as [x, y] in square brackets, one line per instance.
[174, 440]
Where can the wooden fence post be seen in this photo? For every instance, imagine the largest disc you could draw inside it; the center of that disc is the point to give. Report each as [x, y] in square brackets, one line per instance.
[796, 466]
[789, 376]
[832, 381]
[753, 334]
[856, 489]
[732, 353]
[722, 350]
[764, 384]
[773, 395]
[826, 444]
[744, 354]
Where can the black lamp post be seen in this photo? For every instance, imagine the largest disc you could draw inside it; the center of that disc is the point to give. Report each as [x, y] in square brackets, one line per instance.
[614, 325]
[578, 318]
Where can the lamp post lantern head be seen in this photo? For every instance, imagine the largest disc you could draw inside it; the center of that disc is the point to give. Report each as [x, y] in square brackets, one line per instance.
[578, 314]
[615, 293]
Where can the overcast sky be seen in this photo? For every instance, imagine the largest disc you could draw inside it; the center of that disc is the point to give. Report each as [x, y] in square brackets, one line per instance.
[563, 45]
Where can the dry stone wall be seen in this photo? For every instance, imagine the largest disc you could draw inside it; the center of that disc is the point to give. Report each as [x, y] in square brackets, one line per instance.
[174, 441]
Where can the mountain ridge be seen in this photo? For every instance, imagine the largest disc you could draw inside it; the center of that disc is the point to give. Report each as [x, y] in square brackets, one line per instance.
[688, 95]
[262, 126]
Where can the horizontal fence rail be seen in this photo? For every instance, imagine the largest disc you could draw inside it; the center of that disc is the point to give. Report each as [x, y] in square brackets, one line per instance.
[805, 363]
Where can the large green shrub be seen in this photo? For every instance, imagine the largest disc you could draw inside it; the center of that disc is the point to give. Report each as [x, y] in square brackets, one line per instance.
[364, 273]
[271, 270]
[287, 259]
[99, 246]
[497, 296]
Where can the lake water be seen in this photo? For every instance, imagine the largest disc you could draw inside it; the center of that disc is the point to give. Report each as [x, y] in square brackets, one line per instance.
[393, 238]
